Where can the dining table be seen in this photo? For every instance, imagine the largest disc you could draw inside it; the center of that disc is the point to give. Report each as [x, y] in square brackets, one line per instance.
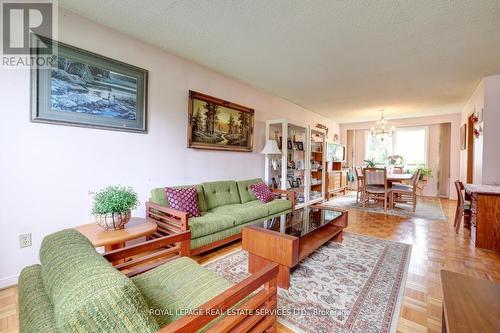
[397, 178]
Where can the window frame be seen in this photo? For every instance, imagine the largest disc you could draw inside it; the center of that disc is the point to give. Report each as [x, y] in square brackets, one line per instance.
[394, 141]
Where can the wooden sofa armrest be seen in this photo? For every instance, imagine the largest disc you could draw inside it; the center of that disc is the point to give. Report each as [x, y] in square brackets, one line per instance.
[290, 195]
[168, 220]
[256, 312]
[169, 247]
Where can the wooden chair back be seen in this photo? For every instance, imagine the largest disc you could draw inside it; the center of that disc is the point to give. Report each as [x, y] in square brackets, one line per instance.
[359, 177]
[397, 170]
[460, 187]
[415, 178]
[375, 176]
[359, 172]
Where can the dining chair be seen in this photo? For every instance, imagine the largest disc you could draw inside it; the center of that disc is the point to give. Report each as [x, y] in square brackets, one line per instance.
[406, 193]
[359, 178]
[375, 185]
[463, 206]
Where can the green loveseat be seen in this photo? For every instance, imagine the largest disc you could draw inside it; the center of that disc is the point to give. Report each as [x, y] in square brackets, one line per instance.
[76, 289]
[226, 207]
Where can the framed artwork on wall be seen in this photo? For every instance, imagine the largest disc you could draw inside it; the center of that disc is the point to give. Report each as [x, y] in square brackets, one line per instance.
[82, 88]
[463, 137]
[218, 124]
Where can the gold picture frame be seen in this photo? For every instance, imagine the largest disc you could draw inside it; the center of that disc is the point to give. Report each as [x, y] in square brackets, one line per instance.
[218, 124]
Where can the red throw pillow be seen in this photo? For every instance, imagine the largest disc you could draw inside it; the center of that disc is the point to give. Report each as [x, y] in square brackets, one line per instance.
[262, 192]
[183, 199]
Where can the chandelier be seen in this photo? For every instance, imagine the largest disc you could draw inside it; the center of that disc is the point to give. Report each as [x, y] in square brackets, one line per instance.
[382, 130]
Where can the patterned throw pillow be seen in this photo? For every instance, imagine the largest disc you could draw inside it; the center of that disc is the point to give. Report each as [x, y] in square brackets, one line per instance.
[184, 200]
[262, 192]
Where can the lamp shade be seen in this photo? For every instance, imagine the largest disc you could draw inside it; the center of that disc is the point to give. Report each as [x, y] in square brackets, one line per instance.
[270, 148]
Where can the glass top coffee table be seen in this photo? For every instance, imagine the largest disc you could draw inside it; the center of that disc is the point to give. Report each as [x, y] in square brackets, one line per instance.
[288, 239]
[295, 223]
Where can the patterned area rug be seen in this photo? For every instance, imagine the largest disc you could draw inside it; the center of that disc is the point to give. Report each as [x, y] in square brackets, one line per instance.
[353, 286]
[427, 208]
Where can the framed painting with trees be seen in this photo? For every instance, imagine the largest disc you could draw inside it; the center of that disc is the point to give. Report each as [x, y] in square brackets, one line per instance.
[218, 124]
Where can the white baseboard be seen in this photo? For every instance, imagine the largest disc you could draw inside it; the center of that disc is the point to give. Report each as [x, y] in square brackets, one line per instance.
[8, 281]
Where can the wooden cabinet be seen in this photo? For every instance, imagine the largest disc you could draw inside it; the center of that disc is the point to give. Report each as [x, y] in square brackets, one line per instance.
[336, 179]
[485, 216]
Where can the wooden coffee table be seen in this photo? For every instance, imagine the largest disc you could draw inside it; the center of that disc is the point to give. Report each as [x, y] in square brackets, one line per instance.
[288, 239]
[115, 239]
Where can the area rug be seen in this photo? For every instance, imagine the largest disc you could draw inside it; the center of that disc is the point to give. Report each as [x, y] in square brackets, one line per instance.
[427, 208]
[353, 286]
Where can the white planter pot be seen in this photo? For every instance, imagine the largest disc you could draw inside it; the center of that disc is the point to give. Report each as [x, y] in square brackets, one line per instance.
[113, 221]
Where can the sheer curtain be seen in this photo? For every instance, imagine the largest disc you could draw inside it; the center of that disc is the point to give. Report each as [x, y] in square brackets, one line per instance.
[443, 173]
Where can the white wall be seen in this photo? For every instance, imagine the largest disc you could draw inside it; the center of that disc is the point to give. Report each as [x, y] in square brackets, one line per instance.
[47, 171]
[491, 131]
[476, 102]
[486, 97]
[433, 148]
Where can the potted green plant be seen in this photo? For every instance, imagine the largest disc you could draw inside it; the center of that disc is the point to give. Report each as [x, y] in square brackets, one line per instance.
[395, 160]
[112, 206]
[370, 163]
[425, 173]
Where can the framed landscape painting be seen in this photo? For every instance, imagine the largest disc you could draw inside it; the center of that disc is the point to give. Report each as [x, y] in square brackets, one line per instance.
[82, 88]
[218, 124]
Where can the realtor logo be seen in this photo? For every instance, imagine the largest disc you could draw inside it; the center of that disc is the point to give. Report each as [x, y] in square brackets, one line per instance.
[21, 20]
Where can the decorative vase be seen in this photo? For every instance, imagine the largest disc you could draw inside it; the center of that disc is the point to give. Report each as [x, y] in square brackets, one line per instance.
[113, 221]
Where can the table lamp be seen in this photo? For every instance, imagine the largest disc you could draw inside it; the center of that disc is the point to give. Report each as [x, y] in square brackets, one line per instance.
[271, 148]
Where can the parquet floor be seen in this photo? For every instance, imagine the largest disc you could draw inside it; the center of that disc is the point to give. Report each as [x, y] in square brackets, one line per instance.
[434, 247]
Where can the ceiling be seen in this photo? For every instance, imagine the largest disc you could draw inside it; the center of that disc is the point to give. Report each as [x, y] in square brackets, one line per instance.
[342, 59]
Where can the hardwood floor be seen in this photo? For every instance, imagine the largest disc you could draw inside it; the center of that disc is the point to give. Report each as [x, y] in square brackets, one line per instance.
[8, 310]
[434, 247]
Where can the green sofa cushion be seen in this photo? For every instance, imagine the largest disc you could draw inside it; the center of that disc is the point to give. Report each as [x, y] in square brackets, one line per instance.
[243, 213]
[159, 197]
[180, 284]
[209, 239]
[246, 194]
[36, 313]
[86, 291]
[221, 193]
[277, 206]
[210, 222]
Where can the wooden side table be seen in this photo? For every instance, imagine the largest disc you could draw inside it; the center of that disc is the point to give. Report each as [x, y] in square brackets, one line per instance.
[469, 304]
[115, 239]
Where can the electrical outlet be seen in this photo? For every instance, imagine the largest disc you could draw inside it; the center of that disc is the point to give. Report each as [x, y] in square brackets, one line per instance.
[25, 240]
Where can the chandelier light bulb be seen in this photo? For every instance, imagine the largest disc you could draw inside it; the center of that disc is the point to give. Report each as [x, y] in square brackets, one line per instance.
[382, 129]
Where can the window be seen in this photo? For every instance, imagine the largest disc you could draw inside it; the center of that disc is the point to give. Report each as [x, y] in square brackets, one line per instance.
[377, 149]
[409, 142]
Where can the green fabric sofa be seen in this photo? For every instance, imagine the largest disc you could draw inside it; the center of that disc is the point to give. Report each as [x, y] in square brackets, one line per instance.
[76, 289]
[226, 208]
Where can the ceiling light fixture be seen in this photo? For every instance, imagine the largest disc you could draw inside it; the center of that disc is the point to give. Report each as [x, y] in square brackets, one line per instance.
[382, 129]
